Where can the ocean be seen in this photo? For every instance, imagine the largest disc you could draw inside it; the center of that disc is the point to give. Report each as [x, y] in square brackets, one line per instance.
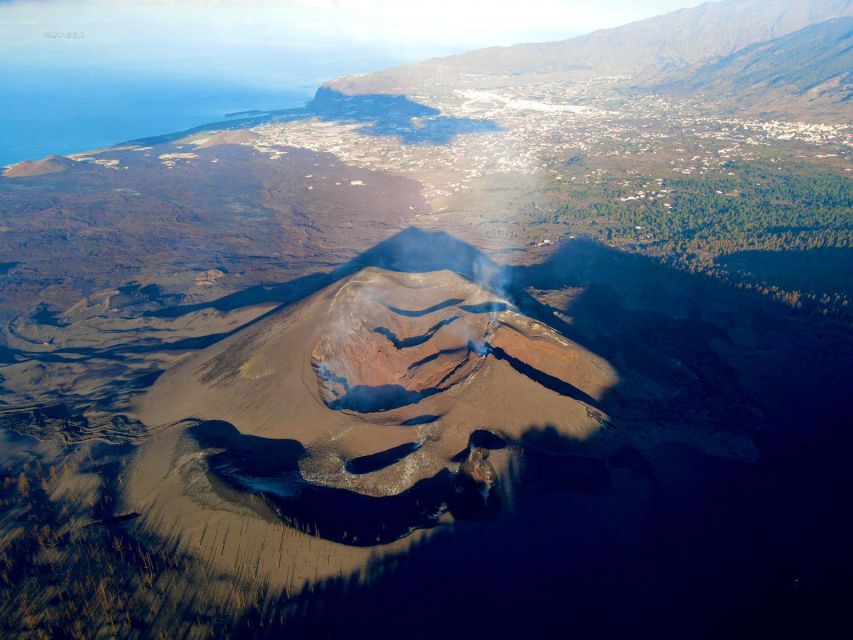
[110, 80]
[45, 110]
[51, 112]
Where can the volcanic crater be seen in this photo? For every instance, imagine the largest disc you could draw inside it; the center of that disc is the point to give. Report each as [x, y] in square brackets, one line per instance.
[384, 376]
[394, 340]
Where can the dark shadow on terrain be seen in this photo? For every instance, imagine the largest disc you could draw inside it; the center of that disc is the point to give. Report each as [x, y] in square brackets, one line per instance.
[108, 461]
[379, 115]
[645, 319]
[707, 548]
[247, 455]
[411, 251]
[817, 271]
[424, 419]
[486, 307]
[377, 461]
[270, 468]
[367, 399]
[136, 293]
[642, 317]
[9, 355]
[483, 439]
[554, 462]
[627, 457]
[386, 115]
[357, 519]
[423, 312]
[546, 380]
[47, 316]
[286, 293]
[413, 341]
[60, 420]
[631, 533]
[645, 529]
[434, 356]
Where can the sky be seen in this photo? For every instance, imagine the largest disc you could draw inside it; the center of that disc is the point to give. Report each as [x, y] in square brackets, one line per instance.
[409, 28]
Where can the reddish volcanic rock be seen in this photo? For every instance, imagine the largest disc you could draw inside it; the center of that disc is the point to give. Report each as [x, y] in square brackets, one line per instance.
[384, 361]
[392, 339]
[406, 336]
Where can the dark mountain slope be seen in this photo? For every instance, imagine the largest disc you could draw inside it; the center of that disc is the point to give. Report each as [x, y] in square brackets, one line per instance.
[808, 70]
[642, 50]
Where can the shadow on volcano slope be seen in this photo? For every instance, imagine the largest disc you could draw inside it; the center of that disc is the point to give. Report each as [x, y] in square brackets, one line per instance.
[412, 250]
[703, 547]
[657, 522]
[270, 468]
[686, 347]
[714, 503]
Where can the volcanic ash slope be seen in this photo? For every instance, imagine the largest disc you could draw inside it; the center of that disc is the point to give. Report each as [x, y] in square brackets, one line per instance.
[383, 359]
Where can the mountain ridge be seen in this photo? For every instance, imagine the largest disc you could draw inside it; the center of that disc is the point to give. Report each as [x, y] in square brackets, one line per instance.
[807, 70]
[641, 50]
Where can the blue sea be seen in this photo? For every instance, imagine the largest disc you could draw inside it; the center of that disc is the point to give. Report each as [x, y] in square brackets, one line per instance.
[71, 111]
[73, 80]
[46, 111]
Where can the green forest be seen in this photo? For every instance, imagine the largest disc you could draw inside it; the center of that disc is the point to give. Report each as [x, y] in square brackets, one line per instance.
[694, 221]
